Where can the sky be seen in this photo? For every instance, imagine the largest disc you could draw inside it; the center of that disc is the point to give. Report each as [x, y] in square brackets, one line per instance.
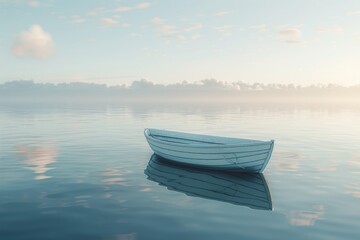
[168, 41]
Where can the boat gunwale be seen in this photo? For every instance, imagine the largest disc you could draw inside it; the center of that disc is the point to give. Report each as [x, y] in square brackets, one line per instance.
[147, 133]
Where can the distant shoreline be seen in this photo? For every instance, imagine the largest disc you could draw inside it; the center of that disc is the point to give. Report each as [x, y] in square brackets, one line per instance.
[205, 91]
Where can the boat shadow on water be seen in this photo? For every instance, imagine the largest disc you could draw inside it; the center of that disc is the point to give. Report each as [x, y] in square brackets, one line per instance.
[246, 189]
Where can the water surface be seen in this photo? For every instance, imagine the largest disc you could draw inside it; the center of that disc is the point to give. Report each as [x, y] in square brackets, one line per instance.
[79, 172]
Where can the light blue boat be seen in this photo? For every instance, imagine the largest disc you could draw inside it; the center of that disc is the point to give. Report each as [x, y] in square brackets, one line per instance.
[210, 152]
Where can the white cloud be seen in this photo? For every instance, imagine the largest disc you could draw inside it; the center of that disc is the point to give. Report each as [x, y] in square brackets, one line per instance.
[194, 26]
[180, 37]
[78, 20]
[293, 41]
[219, 14]
[96, 11]
[35, 43]
[123, 9]
[291, 35]
[260, 28]
[225, 30]
[142, 5]
[213, 83]
[107, 22]
[157, 21]
[141, 84]
[165, 30]
[290, 32]
[33, 3]
[125, 24]
[335, 29]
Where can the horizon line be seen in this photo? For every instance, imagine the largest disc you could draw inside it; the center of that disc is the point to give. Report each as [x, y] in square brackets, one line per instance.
[199, 83]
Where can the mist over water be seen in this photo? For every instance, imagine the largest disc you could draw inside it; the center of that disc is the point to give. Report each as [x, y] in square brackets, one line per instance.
[76, 171]
[208, 90]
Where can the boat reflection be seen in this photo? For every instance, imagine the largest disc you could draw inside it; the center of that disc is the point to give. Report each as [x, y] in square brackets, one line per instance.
[247, 189]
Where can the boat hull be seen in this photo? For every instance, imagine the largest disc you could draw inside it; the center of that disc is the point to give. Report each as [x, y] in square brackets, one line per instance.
[210, 152]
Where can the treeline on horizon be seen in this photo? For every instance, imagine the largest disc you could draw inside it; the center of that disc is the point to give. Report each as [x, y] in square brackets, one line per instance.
[204, 90]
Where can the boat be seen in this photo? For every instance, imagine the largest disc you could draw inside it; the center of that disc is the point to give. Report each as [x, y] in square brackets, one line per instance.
[211, 152]
[245, 189]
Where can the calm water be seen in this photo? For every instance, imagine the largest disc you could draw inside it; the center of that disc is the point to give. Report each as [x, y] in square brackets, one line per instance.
[78, 172]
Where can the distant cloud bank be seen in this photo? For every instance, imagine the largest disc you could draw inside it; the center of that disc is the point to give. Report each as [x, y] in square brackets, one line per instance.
[204, 90]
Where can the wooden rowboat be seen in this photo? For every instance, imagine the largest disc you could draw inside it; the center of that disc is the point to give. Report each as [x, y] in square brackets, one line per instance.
[245, 189]
[210, 152]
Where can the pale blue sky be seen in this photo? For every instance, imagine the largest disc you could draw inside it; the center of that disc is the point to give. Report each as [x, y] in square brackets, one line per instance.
[117, 42]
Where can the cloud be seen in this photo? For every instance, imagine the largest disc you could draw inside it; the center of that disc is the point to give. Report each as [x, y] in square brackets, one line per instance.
[222, 13]
[290, 32]
[141, 84]
[142, 5]
[166, 31]
[123, 9]
[180, 37]
[214, 84]
[107, 22]
[293, 41]
[125, 24]
[291, 35]
[33, 3]
[260, 27]
[78, 20]
[225, 30]
[96, 11]
[335, 29]
[35, 43]
[194, 26]
[157, 21]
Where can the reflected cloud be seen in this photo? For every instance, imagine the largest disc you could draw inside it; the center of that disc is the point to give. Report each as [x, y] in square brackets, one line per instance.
[114, 176]
[327, 169]
[306, 218]
[355, 160]
[244, 189]
[356, 163]
[38, 158]
[288, 160]
[129, 236]
[145, 189]
[355, 194]
[353, 189]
